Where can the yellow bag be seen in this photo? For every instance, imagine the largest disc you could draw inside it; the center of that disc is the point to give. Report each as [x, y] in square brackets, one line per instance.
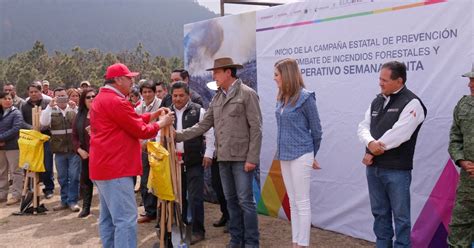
[159, 180]
[32, 150]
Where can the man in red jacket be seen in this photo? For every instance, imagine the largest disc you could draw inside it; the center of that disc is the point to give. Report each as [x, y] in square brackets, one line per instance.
[115, 154]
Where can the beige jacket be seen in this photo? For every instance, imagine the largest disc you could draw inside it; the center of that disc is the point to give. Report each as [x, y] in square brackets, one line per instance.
[237, 122]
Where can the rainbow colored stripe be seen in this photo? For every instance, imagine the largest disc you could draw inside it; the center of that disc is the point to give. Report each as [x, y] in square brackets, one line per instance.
[379, 11]
[432, 225]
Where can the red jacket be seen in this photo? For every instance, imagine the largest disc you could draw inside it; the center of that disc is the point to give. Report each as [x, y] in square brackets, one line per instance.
[115, 149]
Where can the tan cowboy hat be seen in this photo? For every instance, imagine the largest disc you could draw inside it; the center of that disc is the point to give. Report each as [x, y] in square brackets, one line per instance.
[469, 74]
[224, 62]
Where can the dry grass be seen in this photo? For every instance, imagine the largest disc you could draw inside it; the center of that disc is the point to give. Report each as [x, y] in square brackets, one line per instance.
[64, 229]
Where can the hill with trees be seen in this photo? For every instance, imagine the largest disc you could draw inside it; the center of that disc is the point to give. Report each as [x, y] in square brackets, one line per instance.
[68, 41]
[108, 25]
[69, 69]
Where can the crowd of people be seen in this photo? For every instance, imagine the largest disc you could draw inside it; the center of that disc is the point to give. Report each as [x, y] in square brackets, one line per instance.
[99, 137]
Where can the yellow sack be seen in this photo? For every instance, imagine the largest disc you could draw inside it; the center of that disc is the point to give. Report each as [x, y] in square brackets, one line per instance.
[32, 150]
[159, 180]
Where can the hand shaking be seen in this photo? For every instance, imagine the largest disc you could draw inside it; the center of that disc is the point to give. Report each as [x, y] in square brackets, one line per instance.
[164, 120]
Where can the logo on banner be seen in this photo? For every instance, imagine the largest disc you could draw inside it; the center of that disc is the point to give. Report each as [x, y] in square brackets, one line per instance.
[344, 3]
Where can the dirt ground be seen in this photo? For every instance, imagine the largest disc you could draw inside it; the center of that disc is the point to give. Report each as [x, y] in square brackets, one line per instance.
[64, 229]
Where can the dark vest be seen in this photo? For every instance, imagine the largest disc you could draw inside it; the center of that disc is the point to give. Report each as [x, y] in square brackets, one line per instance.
[61, 131]
[27, 110]
[383, 119]
[193, 148]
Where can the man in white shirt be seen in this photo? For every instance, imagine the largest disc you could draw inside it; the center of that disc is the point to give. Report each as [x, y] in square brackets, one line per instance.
[58, 115]
[149, 104]
[389, 131]
[195, 157]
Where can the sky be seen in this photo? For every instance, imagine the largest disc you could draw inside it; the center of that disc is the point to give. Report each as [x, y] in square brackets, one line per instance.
[214, 5]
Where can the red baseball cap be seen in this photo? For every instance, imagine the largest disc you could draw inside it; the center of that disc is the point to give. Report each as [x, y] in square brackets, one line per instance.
[119, 70]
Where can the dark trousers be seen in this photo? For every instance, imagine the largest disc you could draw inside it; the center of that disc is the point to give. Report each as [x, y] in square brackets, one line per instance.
[217, 186]
[150, 202]
[47, 177]
[193, 187]
[86, 184]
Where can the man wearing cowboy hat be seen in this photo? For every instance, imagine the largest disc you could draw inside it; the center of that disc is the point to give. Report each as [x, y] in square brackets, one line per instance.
[237, 120]
[461, 149]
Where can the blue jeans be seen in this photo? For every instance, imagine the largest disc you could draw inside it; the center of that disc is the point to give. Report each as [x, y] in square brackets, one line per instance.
[47, 177]
[118, 212]
[237, 186]
[389, 192]
[68, 166]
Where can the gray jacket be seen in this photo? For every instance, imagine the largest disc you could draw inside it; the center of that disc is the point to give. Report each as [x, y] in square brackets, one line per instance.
[237, 122]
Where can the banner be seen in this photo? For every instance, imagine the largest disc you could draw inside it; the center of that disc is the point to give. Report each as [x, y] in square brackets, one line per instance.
[340, 47]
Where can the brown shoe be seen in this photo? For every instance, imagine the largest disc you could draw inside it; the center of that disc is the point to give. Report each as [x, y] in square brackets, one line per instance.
[145, 219]
[13, 201]
[196, 238]
[60, 207]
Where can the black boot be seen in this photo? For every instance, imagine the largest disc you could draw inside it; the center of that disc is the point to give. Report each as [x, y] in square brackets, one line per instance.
[85, 212]
[86, 203]
[221, 222]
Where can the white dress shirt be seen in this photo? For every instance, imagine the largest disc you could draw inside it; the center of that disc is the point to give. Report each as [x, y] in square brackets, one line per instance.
[209, 135]
[411, 116]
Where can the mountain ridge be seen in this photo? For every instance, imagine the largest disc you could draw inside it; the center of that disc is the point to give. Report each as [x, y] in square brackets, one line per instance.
[107, 25]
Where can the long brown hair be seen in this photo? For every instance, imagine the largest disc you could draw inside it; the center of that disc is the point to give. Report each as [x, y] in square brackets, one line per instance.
[291, 81]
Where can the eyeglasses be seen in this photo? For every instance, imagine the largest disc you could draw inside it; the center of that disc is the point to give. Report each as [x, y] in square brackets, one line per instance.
[89, 97]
